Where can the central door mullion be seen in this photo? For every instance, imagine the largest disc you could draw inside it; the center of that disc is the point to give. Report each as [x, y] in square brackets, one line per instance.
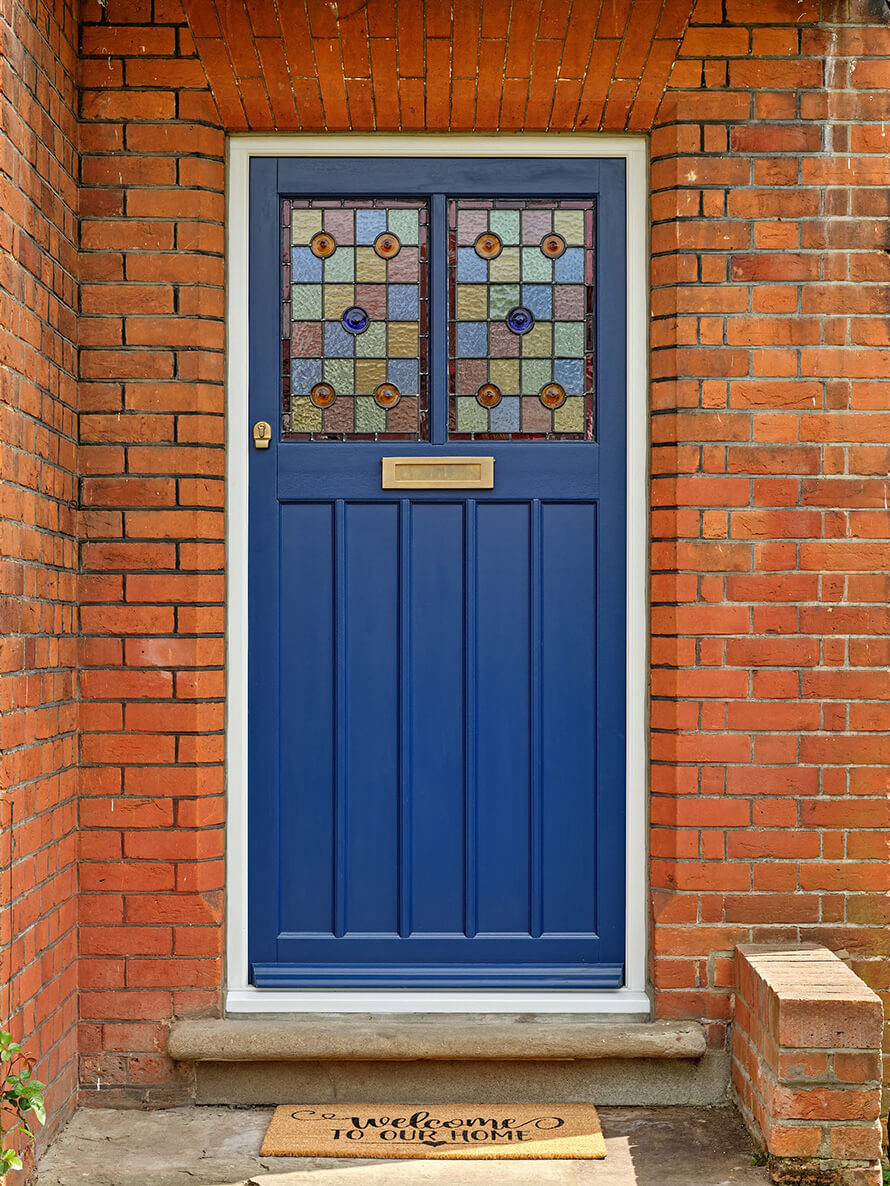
[438, 327]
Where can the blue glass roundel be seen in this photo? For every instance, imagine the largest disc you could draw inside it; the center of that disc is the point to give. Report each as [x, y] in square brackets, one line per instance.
[355, 320]
[520, 320]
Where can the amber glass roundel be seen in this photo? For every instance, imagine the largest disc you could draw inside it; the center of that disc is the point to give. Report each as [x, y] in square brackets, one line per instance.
[488, 245]
[322, 395]
[489, 395]
[322, 245]
[552, 395]
[387, 245]
[386, 395]
[553, 245]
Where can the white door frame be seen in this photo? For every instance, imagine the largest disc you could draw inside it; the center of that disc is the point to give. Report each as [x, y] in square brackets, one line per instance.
[240, 996]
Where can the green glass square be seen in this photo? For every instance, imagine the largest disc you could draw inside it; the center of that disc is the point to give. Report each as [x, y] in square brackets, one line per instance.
[471, 416]
[505, 266]
[372, 343]
[537, 268]
[568, 339]
[505, 224]
[305, 302]
[369, 416]
[501, 299]
[405, 224]
[535, 373]
[340, 373]
[339, 268]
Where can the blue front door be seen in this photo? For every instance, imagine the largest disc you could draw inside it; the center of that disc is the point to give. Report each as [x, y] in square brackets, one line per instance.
[437, 649]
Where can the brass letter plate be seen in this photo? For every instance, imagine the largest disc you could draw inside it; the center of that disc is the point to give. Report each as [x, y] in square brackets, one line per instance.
[438, 473]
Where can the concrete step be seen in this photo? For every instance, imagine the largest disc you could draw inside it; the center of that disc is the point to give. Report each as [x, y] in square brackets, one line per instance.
[448, 1058]
[346, 1037]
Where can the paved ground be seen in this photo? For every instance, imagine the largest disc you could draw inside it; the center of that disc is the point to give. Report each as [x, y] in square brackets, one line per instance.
[218, 1147]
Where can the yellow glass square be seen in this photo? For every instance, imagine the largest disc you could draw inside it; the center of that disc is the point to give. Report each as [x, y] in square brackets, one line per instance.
[370, 268]
[369, 373]
[304, 416]
[337, 299]
[570, 224]
[402, 339]
[538, 342]
[304, 224]
[570, 417]
[504, 372]
[506, 266]
[471, 302]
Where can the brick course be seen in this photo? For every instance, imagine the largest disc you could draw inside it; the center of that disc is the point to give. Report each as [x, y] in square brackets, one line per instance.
[769, 356]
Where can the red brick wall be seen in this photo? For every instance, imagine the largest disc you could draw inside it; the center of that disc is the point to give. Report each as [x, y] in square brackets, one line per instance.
[152, 552]
[769, 550]
[38, 548]
[769, 458]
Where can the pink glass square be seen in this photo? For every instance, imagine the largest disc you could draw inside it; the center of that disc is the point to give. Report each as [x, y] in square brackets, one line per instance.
[471, 374]
[403, 417]
[535, 225]
[568, 302]
[535, 417]
[403, 268]
[306, 339]
[372, 298]
[470, 224]
[340, 224]
[339, 416]
[502, 342]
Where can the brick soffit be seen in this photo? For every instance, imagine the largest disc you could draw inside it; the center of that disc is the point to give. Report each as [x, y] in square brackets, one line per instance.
[386, 65]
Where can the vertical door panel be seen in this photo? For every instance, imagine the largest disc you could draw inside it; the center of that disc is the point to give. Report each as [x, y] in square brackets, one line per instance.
[306, 793]
[502, 725]
[567, 657]
[434, 683]
[367, 671]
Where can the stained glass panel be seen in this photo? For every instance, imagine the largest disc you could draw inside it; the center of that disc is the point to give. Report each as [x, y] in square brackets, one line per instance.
[521, 324]
[354, 320]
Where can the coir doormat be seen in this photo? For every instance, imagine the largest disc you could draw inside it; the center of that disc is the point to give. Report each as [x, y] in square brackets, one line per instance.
[440, 1131]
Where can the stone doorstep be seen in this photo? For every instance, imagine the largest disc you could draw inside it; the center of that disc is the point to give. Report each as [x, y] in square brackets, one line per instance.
[351, 1037]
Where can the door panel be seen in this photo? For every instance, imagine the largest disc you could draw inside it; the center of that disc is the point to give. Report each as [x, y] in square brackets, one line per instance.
[436, 679]
[434, 720]
[502, 723]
